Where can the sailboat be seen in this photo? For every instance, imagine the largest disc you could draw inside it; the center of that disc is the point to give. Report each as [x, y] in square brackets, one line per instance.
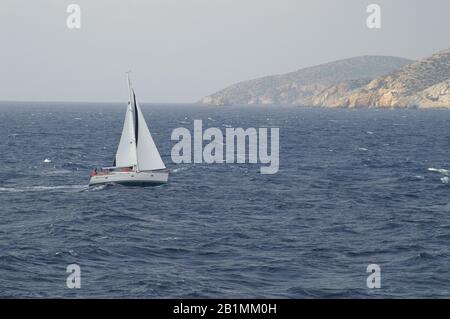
[137, 160]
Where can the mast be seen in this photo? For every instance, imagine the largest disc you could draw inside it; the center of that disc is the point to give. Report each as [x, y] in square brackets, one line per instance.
[133, 106]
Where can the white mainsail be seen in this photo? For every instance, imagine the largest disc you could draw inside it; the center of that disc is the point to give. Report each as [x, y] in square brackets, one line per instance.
[126, 152]
[136, 146]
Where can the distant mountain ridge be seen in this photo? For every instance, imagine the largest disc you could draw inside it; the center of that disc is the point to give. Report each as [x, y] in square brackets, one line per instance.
[424, 83]
[317, 85]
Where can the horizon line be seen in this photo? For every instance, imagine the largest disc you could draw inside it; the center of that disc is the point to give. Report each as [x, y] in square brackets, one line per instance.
[94, 102]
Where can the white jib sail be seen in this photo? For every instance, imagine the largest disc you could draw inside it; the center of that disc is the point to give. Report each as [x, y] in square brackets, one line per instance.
[148, 157]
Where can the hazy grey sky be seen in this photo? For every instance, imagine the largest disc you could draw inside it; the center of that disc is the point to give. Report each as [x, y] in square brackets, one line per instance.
[181, 50]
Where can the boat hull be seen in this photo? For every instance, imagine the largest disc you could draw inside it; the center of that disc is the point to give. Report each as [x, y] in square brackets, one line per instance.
[131, 178]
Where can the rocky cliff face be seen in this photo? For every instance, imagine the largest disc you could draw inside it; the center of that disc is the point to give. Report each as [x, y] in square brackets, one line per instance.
[424, 83]
[319, 85]
[437, 95]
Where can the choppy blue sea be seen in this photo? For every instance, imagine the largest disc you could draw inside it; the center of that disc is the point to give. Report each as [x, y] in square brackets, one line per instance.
[355, 187]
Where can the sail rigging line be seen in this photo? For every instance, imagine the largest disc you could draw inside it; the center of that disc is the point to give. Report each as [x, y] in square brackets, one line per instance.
[136, 119]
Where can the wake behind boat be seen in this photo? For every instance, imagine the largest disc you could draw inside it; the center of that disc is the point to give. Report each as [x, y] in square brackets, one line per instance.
[137, 159]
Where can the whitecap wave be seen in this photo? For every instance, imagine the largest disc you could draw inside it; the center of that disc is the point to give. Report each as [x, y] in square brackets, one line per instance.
[439, 170]
[179, 169]
[97, 187]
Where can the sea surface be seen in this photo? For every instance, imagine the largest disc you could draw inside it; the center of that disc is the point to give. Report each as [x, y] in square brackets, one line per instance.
[355, 187]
